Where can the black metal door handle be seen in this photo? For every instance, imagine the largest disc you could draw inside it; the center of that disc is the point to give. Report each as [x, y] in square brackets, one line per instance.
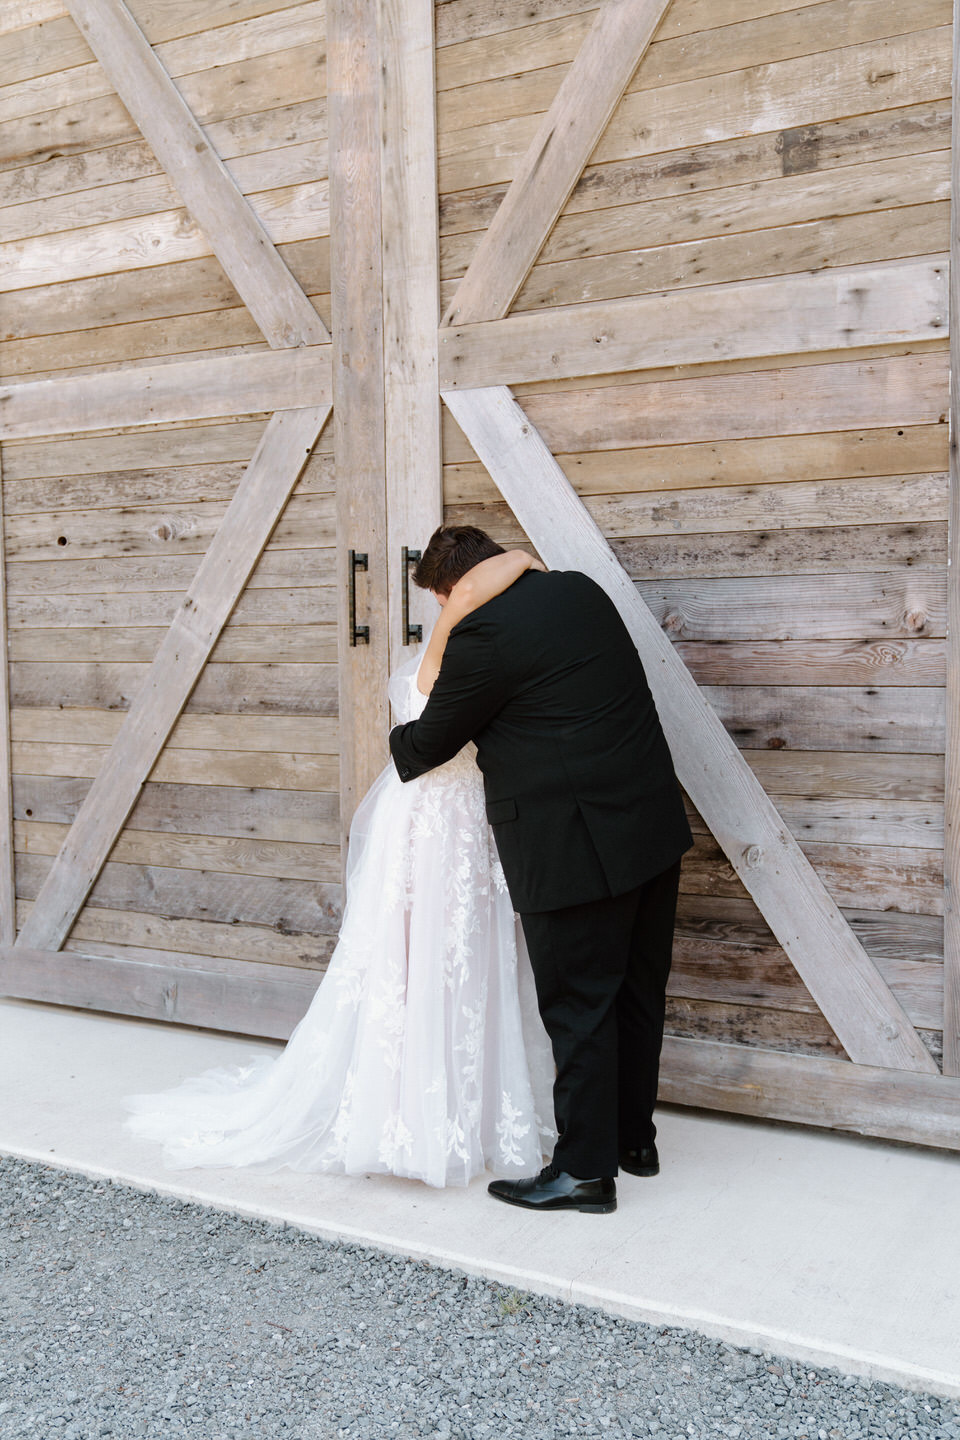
[411, 633]
[359, 634]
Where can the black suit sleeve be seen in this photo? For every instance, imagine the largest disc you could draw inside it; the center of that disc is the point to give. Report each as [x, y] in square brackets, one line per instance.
[468, 692]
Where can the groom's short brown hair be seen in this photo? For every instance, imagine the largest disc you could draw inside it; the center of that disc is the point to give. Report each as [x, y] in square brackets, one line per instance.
[451, 552]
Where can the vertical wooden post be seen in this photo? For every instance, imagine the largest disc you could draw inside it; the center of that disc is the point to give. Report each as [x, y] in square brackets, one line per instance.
[8, 894]
[951, 854]
[353, 71]
[411, 287]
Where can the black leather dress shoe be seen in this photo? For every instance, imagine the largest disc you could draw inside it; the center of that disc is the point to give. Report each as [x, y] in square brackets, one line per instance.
[644, 1161]
[556, 1190]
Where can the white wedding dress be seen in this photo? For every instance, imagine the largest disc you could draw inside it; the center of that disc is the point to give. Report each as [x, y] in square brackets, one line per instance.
[422, 1053]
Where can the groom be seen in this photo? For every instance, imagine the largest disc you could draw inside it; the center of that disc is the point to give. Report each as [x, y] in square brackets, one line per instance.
[590, 826]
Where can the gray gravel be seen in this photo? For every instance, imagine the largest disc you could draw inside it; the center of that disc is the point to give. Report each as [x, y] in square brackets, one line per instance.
[129, 1314]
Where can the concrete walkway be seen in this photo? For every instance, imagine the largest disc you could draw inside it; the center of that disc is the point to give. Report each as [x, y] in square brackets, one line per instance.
[823, 1247]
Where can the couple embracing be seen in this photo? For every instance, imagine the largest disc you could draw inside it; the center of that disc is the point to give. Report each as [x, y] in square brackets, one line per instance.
[531, 822]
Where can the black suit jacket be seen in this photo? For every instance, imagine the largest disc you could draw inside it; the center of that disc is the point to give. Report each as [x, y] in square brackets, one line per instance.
[580, 786]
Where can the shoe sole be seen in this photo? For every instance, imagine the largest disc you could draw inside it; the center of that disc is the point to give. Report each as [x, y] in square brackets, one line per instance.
[645, 1173]
[607, 1207]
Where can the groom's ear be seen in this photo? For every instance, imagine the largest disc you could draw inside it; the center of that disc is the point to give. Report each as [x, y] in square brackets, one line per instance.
[440, 599]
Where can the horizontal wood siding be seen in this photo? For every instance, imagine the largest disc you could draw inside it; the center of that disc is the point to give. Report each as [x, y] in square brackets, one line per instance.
[231, 855]
[785, 519]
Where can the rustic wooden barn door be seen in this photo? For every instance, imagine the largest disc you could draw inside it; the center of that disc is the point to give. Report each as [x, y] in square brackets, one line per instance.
[634, 325]
[692, 272]
[172, 758]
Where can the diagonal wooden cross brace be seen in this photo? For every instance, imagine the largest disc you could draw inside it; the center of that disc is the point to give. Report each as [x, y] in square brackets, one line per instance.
[261, 495]
[874, 1029]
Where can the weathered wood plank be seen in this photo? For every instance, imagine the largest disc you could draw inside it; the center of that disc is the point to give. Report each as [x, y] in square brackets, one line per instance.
[241, 142]
[828, 662]
[200, 443]
[205, 940]
[245, 1005]
[829, 145]
[281, 734]
[7, 888]
[905, 604]
[356, 254]
[794, 504]
[796, 1031]
[280, 770]
[305, 816]
[312, 644]
[226, 96]
[170, 573]
[309, 960]
[734, 974]
[840, 455]
[115, 198]
[151, 531]
[951, 856]
[860, 307]
[586, 99]
[179, 390]
[500, 91]
[875, 877]
[786, 95]
[69, 84]
[860, 1007]
[166, 237]
[281, 859]
[855, 821]
[308, 906]
[259, 500]
[892, 939]
[811, 1091]
[238, 239]
[854, 549]
[239, 688]
[302, 605]
[863, 774]
[60, 45]
[165, 485]
[796, 400]
[759, 253]
[891, 719]
[408, 181]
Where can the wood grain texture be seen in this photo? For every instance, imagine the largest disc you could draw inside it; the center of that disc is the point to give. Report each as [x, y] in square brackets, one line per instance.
[7, 886]
[179, 390]
[811, 1091]
[875, 877]
[411, 286]
[552, 166]
[240, 688]
[785, 95]
[793, 399]
[859, 307]
[259, 500]
[226, 733]
[303, 816]
[238, 239]
[253, 1005]
[951, 856]
[356, 256]
[867, 1019]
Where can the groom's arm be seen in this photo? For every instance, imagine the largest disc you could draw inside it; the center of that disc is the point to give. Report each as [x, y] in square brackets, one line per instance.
[468, 692]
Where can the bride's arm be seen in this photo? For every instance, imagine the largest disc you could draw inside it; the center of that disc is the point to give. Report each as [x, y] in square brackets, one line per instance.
[491, 577]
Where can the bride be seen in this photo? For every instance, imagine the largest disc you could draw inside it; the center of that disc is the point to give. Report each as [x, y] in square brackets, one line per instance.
[422, 1053]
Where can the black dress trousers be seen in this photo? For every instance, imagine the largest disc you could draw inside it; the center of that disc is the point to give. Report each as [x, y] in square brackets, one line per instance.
[601, 972]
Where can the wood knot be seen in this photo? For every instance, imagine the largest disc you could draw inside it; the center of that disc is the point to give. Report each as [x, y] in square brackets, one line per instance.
[752, 856]
[915, 621]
